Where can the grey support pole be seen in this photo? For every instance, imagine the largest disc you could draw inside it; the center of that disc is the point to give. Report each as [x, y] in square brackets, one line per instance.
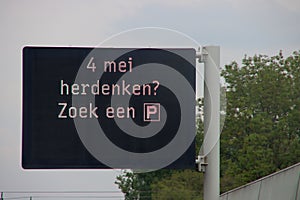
[211, 148]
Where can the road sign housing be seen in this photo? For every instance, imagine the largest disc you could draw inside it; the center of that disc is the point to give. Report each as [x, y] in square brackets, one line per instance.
[108, 108]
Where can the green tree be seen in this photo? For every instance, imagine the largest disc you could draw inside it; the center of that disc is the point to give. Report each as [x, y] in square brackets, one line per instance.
[261, 132]
[138, 185]
[184, 184]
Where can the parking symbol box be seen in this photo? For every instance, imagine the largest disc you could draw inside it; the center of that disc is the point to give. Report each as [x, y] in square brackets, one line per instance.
[151, 112]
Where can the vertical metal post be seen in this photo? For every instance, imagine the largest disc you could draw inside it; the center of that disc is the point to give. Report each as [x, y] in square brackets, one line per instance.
[212, 122]
[1, 196]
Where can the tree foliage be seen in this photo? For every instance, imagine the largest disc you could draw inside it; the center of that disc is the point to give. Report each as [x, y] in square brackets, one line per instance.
[138, 185]
[185, 184]
[262, 128]
[261, 133]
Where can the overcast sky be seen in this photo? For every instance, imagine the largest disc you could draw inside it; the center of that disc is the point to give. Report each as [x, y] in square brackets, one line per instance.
[239, 27]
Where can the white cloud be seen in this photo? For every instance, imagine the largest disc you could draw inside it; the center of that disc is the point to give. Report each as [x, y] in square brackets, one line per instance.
[63, 21]
[293, 5]
[180, 3]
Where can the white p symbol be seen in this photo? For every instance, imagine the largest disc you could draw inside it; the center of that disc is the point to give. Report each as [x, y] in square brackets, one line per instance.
[151, 112]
